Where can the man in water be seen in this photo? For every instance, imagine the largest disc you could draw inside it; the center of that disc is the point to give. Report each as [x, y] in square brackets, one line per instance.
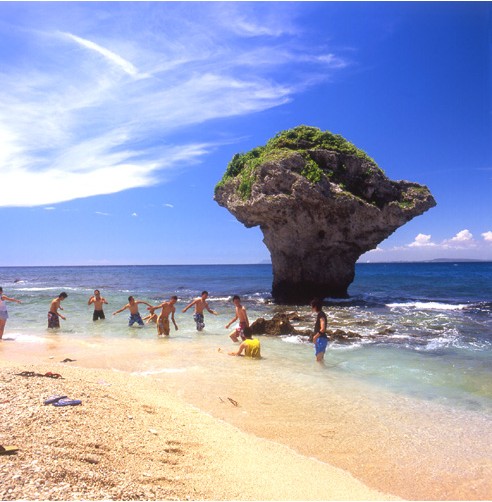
[200, 305]
[320, 338]
[163, 319]
[250, 346]
[98, 302]
[132, 306]
[3, 310]
[242, 316]
[53, 314]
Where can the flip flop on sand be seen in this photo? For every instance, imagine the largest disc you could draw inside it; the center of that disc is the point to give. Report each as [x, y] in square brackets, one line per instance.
[67, 402]
[68, 360]
[8, 450]
[53, 399]
[33, 374]
[52, 375]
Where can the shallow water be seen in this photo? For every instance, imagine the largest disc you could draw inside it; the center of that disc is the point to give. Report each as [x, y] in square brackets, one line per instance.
[422, 330]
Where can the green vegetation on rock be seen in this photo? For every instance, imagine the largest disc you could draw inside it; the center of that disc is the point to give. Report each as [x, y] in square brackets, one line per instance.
[299, 140]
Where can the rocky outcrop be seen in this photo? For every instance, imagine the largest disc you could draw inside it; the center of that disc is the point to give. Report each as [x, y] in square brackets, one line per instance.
[279, 324]
[320, 203]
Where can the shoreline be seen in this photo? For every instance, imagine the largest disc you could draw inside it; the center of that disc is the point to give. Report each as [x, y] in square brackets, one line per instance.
[392, 446]
[131, 440]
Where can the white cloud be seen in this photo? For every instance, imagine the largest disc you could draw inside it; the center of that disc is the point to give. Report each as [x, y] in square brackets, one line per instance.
[422, 240]
[113, 58]
[101, 213]
[92, 108]
[134, 214]
[462, 236]
[168, 205]
[487, 236]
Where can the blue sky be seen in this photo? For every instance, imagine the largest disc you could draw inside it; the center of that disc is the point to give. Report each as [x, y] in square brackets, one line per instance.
[118, 119]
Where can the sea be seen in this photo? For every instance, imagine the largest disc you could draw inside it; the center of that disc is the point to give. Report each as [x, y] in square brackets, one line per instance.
[422, 329]
[408, 391]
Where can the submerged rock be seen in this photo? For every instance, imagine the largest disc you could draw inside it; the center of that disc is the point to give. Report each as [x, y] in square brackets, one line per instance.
[320, 203]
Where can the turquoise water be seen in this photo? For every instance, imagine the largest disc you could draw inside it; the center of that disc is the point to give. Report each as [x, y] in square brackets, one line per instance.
[424, 329]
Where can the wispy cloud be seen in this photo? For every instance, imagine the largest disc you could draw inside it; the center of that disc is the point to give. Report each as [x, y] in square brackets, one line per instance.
[94, 105]
[110, 56]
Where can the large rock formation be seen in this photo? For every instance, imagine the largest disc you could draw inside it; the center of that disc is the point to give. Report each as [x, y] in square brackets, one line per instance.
[320, 203]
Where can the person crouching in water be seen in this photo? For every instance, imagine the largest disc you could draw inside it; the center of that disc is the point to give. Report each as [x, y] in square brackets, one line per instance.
[320, 338]
[250, 346]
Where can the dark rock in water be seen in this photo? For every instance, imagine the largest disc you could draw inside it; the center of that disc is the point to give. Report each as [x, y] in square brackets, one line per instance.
[320, 203]
[278, 325]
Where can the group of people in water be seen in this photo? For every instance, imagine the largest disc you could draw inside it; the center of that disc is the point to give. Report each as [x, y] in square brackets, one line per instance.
[249, 346]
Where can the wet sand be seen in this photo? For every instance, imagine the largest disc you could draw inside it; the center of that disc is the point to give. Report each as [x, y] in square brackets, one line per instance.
[281, 442]
[130, 440]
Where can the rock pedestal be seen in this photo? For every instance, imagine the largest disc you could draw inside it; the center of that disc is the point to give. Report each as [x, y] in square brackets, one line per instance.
[319, 210]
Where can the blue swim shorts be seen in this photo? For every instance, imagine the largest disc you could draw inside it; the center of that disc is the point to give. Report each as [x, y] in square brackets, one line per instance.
[4, 315]
[199, 321]
[320, 345]
[135, 318]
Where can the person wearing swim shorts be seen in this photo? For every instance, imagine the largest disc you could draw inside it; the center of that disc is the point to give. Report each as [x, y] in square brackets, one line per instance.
[163, 319]
[132, 306]
[242, 316]
[53, 314]
[200, 305]
[320, 338]
[98, 302]
[4, 315]
[250, 346]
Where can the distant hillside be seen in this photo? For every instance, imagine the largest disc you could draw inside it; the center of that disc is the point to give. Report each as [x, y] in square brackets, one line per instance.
[453, 260]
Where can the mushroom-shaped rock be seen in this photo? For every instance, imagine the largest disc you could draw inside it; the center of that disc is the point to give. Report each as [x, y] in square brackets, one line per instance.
[320, 203]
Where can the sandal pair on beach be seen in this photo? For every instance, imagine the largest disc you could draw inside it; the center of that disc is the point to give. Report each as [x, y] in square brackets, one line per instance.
[33, 374]
[62, 401]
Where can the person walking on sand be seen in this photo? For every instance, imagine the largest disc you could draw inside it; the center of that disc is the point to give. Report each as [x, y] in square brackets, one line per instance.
[98, 302]
[320, 338]
[163, 319]
[53, 314]
[4, 315]
[132, 306]
[242, 316]
[250, 346]
[200, 305]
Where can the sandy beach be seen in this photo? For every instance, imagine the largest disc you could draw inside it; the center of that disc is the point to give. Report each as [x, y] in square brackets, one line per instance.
[131, 441]
[222, 430]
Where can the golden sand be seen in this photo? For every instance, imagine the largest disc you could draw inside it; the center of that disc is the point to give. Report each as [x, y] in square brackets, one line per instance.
[131, 441]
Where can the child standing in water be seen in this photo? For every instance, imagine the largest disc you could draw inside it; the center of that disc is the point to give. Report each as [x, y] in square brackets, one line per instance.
[132, 306]
[242, 316]
[320, 338]
[163, 319]
[98, 302]
[53, 314]
[3, 310]
[200, 305]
